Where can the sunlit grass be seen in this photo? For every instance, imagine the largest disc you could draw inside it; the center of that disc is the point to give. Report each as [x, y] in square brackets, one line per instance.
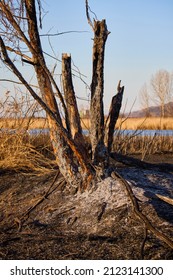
[145, 123]
[22, 152]
[122, 123]
[143, 145]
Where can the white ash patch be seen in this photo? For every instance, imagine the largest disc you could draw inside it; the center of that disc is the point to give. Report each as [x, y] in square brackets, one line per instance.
[87, 206]
[109, 190]
[109, 194]
[106, 207]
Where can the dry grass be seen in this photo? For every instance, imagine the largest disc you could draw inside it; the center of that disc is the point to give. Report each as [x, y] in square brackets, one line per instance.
[122, 123]
[138, 123]
[145, 123]
[20, 152]
[23, 123]
[143, 145]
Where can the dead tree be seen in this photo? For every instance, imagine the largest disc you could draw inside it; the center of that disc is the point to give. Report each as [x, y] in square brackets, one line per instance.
[19, 27]
[97, 89]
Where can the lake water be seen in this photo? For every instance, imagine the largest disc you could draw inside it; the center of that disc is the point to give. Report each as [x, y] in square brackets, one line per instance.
[120, 132]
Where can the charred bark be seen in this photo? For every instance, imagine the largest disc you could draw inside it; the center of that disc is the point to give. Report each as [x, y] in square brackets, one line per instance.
[113, 117]
[71, 103]
[97, 88]
[70, 160]
[70, 99]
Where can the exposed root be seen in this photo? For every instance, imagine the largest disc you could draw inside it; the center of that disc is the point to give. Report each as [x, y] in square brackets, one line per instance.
[165, 198]
[161, 236]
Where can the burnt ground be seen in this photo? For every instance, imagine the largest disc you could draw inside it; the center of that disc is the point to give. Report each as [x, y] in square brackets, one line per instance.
[98, 224]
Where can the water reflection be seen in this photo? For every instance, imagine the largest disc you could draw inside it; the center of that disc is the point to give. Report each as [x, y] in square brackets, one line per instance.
[119, 132]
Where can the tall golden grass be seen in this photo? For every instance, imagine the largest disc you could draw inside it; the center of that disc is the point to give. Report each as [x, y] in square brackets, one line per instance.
[122, 123]
[139, 123]
[22, 152]
[23, 123]
[155, 123]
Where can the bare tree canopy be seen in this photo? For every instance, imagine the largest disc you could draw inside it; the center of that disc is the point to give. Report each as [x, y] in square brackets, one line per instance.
[162, 88]
[159, 92]
[145, 99]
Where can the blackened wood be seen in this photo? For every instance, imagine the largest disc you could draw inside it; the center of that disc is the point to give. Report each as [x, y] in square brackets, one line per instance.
[70, 160]
[70, 98]
[71, 104]
[113, 116]
[97, 88]
[131, 161]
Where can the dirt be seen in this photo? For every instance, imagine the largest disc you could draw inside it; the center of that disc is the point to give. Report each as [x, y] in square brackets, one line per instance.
[97, 224]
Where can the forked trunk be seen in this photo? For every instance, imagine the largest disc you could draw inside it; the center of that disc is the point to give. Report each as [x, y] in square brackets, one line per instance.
[74, 167]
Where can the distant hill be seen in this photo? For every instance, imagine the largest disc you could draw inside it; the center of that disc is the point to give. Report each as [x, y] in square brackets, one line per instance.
[153, 111]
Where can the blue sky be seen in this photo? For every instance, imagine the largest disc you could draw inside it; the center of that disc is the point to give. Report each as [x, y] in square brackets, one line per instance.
[140, 43]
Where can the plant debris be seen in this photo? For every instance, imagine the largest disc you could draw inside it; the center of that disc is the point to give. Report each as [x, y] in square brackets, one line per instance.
[99, 223]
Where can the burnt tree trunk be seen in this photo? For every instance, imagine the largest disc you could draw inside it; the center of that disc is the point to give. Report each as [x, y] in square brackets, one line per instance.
[70, 160]
[113, 117]
[67, 140]
[97, 88]
[71, 103]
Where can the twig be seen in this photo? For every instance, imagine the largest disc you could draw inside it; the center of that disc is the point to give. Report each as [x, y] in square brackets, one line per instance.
[165, 199]
[143, 242]
[5, 242]
[87, 14]
[62, 33]
[41, 199]
[103, 207]
[139, 214]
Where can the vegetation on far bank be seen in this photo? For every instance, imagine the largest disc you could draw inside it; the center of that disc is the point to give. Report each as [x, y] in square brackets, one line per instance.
[154, 123]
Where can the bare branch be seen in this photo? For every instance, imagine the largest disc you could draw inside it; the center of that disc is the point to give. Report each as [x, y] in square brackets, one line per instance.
[8, 61]
[15, 82]
[9, 16]
[165, 198]
[61, 33]
[59, 60]
[39, 8]
[18, 53]
[87, 14]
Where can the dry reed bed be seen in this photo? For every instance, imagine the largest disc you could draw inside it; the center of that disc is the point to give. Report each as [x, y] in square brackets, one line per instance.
[23, 123]
[122, 123]
[20, 151]
[143, 145]
[145, 123]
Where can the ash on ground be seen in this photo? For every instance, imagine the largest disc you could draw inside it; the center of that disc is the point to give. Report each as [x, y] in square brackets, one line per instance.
[97, 224]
